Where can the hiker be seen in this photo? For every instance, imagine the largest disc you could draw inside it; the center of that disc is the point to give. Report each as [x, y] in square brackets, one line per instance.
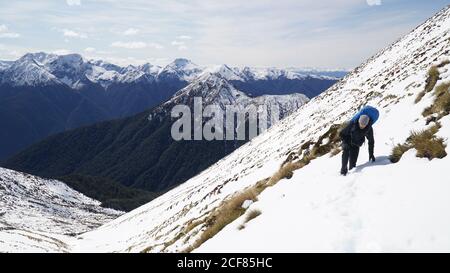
[354, 134]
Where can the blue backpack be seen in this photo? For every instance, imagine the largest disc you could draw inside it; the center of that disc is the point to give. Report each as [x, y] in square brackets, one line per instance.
[370, 111]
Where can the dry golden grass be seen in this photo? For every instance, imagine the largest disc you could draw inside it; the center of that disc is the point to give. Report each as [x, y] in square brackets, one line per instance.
[335, 151]
[286, 171]
[398, 151]
[444, 63]
[230, 210]
[250, 216]
[426, 143]
[441, 103]
[191, 225]
[433, 77]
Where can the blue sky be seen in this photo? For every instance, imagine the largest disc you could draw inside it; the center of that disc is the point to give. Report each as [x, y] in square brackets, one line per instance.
[283, 33]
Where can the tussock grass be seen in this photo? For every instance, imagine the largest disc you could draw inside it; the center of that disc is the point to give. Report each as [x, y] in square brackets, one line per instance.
[285, 171]
[433, 77]
[441, 103]
[227, 212]
[443, 63]
[250, 216]
[326, 143]
[398, 151]
[191, 225]
[335, 151]
[426, 143]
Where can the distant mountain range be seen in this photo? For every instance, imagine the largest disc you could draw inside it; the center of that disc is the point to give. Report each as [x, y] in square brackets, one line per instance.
[42, 94]
[139, 151]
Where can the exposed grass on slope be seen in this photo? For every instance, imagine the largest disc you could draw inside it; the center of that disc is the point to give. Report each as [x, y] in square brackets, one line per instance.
[250, 216]
[443, 63]
[398, 151]
[231, 209]
[441, 103]
[433, 77]
[227, 212]
[427, 144]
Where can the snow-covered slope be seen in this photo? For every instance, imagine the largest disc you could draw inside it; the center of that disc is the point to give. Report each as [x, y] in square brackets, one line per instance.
[378, 206]
[4, 65]
[38, 214]
[366, 205]
[29, 71]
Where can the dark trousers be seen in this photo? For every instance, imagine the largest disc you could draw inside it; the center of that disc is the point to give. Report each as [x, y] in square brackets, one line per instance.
[349, 157]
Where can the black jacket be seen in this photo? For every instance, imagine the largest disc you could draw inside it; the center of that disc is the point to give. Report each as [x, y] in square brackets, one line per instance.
[352, 135]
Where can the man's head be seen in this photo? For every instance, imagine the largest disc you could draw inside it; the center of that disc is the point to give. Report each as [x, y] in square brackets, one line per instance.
[363, 121]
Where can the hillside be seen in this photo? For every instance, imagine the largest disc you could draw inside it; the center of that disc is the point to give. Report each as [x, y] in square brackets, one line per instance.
[33, 210]
[139, 152]
[290, 177]
[43, 94]
[185, 217]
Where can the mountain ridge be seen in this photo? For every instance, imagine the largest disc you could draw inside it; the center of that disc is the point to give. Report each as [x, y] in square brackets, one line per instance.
[94, 91]
[139, 151]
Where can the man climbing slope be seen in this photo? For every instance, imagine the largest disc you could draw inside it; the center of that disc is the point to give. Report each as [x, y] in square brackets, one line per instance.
[354, 134]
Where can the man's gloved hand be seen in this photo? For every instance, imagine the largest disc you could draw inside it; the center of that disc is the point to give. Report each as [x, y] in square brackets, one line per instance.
[372, 158]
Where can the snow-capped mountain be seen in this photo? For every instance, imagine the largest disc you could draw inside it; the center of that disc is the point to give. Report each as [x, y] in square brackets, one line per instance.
[35, 69]
[231, 74]
[29, 71]
[215, 89]
[4, 65]
[180, 69]
[378, 206]
[69, 91]
[269, 73]
[31, 208]
[156, 167]
[73, 70]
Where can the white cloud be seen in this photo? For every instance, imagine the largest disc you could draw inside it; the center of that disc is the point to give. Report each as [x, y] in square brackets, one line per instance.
[373, 2]
[177, 43]
[9, 35]
[89, 49]
[184, 37]
[129, 45]
[269, 33]
[15, 54]
[62, 52]
[155, 45]
[131, 31]
[73, 34]
[73, 2]
[5, 34]
[136, 45]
